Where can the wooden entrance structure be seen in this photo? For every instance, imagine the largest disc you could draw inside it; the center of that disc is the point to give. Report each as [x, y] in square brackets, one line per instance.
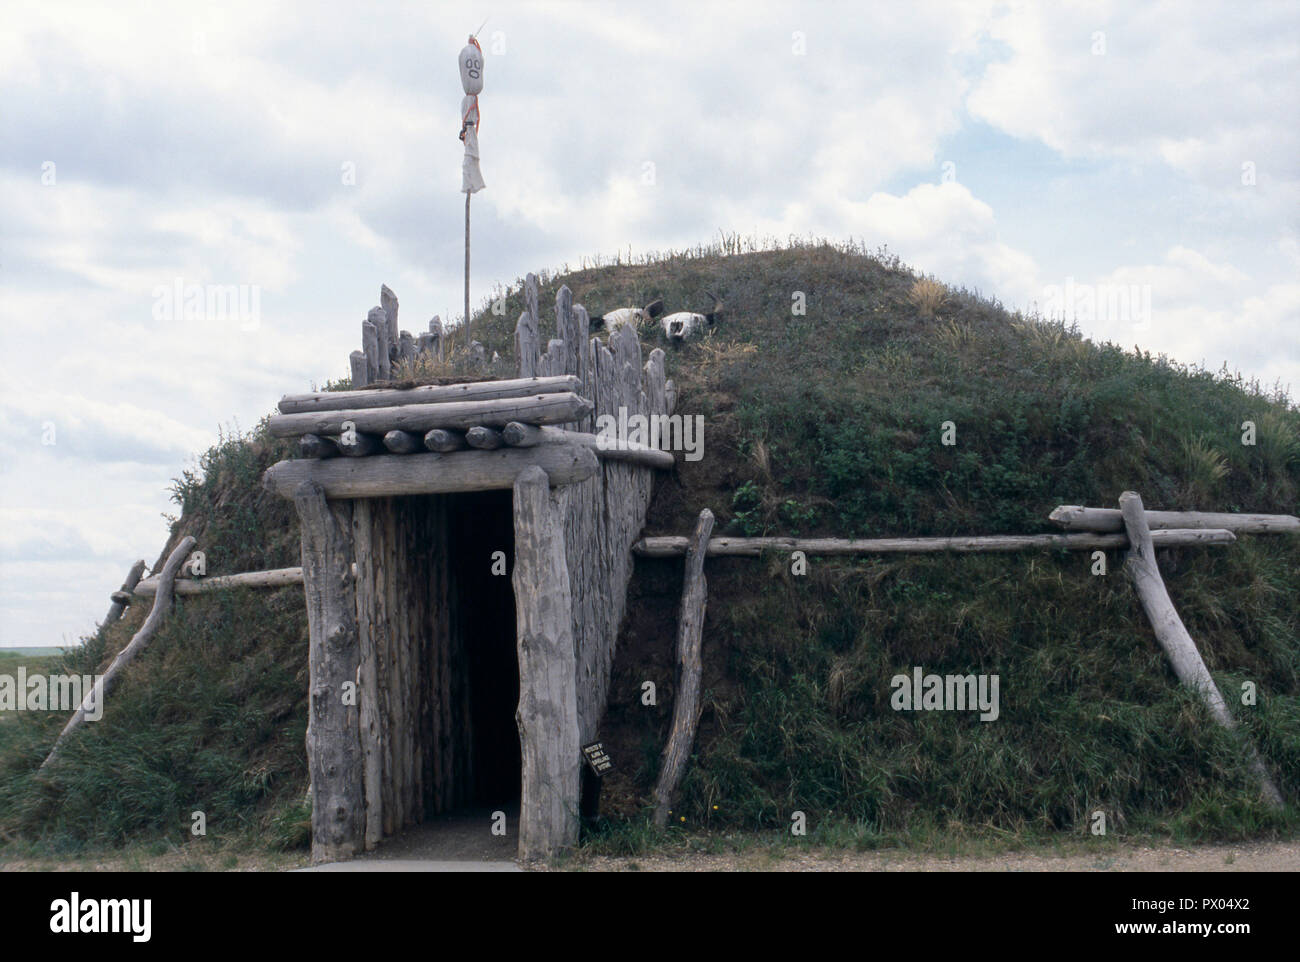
[394, 562]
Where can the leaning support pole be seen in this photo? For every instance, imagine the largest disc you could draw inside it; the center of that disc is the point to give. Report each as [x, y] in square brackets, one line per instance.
[548, 699]
[334, 757]
[1172, 634]
[690, 667]
[122, 596]
[94, 699]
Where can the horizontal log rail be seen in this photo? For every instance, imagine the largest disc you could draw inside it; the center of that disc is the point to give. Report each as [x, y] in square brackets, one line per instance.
[1078, 518]
[561, 408]
[427, 394]
[673, 546]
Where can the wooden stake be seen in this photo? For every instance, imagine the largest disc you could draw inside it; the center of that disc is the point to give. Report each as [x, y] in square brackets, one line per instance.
[1172, 634]
[690, 666]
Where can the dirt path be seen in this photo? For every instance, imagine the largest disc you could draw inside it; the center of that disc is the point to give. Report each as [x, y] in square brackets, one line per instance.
[1246, 857]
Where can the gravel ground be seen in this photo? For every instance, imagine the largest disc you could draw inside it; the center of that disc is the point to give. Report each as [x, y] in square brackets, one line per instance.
[1247, 857]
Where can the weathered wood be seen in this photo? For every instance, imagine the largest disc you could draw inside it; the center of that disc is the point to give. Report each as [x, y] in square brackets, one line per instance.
[570, 337]
[274, 578]
[93, 701]
[1173, 636]
[357, 364]
[122, 597]
[435, 328]
[370, 347]
[333, 722]
[384, 347]
[547, 714]
[1079, 518]
[673, 546]
[426, 394]
[462, 415]
[369, 712]
[532, 301]
[527, 345]
[356, 444]
[388, 301]
[425, 344]
[403, 442]
[520, 435]
[483, 438]
[315, 446]
[670, 395]
[686, 701]
[477, 354]
[444, 441]
[389, 475]
[405, 346]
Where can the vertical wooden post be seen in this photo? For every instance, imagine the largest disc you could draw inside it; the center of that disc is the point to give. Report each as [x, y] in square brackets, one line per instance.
[690, 667]
[548, 712]
[1172, 634]
[334, 753]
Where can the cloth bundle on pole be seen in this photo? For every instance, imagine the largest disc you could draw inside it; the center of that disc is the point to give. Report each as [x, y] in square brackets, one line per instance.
[471, 80]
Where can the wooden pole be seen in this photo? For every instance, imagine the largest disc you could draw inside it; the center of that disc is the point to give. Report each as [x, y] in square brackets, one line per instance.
[547, 715]
[334, 756]
[122, 597]
[1172, 634]
[272, 578]
[690, 667]
[1078, 518]
[468, 195]
[675, 546]
[94, 699]
[520, 435]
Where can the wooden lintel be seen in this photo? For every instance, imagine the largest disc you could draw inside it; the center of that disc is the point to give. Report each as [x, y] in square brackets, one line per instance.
[389, 475]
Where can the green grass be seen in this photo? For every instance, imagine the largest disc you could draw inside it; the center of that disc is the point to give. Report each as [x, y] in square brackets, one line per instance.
[826, 423]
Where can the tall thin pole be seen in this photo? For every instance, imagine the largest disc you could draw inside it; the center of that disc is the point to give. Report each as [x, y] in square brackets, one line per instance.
[467, 332]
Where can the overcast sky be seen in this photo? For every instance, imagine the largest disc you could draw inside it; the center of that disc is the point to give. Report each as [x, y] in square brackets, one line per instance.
[308, 151]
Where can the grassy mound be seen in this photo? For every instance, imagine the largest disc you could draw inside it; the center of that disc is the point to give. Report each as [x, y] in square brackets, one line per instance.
[827, 422]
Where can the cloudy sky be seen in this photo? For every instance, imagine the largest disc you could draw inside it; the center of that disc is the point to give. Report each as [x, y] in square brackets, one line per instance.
[307, 152]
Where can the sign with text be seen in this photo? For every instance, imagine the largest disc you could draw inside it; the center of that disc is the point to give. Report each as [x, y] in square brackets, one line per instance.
[597, 758]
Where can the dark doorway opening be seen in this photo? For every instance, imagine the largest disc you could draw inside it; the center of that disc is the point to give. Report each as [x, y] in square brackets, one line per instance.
[480, 525]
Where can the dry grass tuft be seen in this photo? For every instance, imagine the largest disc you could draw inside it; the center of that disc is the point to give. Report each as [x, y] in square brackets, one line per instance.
[928, 295]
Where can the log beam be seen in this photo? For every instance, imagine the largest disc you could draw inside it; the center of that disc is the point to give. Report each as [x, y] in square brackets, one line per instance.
[557, 408]
[386, 475]
[521, 435]
[1078, 518]
[426, 394]
[690, 666]
[1172, 634]
[443, 441]
[675, 546]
